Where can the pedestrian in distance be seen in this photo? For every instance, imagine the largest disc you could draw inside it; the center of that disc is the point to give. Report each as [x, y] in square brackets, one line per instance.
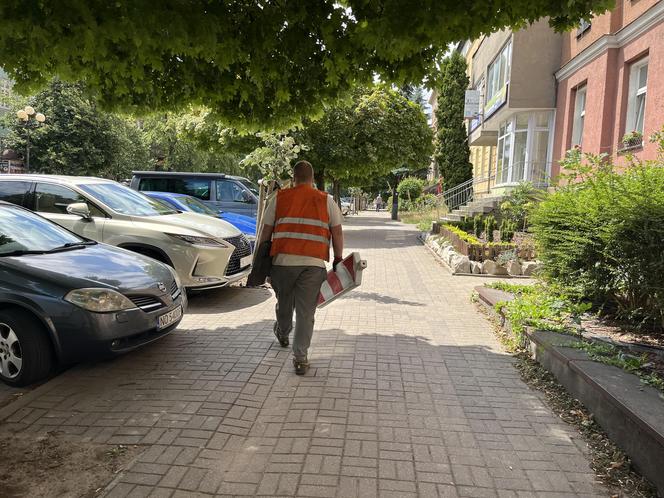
[301, 222]
[379, 203]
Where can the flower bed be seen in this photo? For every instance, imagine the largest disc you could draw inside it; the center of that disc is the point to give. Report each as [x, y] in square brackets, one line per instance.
[471, 246]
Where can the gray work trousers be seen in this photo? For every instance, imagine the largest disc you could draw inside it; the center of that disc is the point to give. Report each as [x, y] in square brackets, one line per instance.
[297, 290]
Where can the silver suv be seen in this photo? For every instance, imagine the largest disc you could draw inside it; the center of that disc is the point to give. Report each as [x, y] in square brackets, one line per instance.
[206, 252]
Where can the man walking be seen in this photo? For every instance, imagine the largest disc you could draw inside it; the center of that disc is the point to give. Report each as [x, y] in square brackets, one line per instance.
[301, 221]
[379, 203]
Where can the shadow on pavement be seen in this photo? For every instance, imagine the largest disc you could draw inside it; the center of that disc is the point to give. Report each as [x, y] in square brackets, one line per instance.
[379, 298]
[227, 299]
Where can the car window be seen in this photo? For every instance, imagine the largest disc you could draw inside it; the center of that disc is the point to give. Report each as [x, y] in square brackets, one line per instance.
[14, 192]
[196, 187]
[55, 199]
[197, 206]
[124, 200]
[251, 186]
[230, 191]
[21, 230]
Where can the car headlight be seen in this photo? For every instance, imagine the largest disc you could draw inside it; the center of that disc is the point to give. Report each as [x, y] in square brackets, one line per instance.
[99, 300]
[199, 241]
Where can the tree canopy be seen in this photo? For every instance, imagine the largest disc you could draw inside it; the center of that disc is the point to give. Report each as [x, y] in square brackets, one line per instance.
[367, 136]
[257, 64]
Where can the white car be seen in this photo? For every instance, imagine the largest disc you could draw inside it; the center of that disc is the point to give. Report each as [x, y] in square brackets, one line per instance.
[205, 252]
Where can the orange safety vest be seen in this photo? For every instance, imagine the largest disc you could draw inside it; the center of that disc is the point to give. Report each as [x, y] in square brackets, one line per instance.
[302, 223]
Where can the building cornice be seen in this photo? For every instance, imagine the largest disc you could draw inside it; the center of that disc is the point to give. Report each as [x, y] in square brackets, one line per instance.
[636, 28]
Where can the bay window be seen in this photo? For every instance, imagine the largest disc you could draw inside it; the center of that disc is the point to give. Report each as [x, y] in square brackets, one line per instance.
[523, 148]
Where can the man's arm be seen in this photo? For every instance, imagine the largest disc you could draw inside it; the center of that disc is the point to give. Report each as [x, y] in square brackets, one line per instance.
[337, 245]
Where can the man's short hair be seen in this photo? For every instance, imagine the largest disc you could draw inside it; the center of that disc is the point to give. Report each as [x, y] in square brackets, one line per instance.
[303, 172]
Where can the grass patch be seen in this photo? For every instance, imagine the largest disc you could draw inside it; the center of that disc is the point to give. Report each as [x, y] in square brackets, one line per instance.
[422, 218]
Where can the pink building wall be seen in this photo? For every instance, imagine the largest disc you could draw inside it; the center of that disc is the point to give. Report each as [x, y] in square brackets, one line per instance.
[607, 82]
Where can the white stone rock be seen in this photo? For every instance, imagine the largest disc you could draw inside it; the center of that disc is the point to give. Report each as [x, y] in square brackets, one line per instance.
[476, 267]
[460, 263]
[492, 268]
[514, 268]
[530, 268]
[448, 251]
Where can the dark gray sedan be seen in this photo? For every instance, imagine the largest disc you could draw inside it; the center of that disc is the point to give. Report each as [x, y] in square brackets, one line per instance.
[64, 298]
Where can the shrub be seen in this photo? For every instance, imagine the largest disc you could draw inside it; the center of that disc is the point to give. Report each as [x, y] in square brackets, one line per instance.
[410, 188]
[507, 229]
[602, 238]
[520, 202]
[489, 227]
[477, 225]
[463, 235]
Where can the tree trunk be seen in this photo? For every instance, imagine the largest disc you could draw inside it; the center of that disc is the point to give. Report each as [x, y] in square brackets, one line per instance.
[395, 203]
[319, 178]
[336, 192]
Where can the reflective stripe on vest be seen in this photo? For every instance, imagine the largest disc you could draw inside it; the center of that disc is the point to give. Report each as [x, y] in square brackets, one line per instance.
[301, 236]
[302, 221]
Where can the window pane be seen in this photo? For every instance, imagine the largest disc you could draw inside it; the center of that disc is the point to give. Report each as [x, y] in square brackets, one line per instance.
[643, 76]
[640, 111]
[519, 163]
[540, 155]
[506, 159]
[230, 191]
[55, 198]
[14, 192]
[153, 185]
[198, 188]
[579, 113]
[522, 121]
[542, 119]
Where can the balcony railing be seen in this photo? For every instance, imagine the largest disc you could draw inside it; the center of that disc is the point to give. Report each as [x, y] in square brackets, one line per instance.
[537, 173]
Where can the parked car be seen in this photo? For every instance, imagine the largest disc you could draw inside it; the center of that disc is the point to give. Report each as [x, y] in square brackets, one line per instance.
[205, 252]
[231, 194]
[64, 298]
[183, 202]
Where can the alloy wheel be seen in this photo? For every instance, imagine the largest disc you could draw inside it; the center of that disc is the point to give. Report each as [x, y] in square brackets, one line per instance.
[11, 355]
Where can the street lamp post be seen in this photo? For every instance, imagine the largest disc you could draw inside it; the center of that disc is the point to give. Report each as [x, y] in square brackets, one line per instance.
[29, 119]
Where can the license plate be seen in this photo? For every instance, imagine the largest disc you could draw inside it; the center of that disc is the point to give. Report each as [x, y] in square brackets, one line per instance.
[169, 318]
[246, 261]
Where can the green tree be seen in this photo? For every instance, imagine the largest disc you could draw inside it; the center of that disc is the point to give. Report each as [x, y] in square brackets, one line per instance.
[275, 157]
[256, 64]
[452, 150]
[77, 138]
[367, 136]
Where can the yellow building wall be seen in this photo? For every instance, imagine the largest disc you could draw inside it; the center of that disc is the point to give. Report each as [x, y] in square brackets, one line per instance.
[483, 158]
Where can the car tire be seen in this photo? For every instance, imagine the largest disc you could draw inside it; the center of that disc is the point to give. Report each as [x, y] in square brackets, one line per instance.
[23, 338]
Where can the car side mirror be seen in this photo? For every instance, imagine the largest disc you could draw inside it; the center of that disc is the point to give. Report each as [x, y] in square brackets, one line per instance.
[79, 209]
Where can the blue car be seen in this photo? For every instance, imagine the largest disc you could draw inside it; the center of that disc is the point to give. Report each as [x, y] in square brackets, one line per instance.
[183, 202]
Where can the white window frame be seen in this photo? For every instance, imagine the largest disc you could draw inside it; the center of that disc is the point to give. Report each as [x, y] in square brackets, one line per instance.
[635, 91]
[580, 99]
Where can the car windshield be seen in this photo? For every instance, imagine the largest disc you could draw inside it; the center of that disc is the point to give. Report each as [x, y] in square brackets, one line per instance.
[197, 206]
[251, 186]
[22, 231]
[124, 200]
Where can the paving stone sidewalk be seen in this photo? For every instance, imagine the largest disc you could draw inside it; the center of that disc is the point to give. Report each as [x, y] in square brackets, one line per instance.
[409, 395]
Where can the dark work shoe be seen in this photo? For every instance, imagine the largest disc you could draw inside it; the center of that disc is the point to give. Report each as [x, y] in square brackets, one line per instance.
[283, 339]
[301, 366]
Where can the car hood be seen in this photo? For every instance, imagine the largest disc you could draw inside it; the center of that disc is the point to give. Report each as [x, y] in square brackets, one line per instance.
[98, 265]
[246, 224]
[191, 224]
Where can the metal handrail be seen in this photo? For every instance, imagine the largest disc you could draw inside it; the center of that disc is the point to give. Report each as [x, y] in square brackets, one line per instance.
[462, 193]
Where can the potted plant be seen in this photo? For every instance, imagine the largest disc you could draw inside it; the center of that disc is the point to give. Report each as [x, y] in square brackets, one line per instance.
[632, 139]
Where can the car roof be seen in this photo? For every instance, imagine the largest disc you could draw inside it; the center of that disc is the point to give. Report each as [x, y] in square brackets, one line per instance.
[62, 179]
[184, 174]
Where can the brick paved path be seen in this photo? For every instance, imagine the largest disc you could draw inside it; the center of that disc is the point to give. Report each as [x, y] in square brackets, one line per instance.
[409, 395]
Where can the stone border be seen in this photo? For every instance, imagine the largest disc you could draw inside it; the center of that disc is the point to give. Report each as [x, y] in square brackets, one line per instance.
[631, 413]
[425, 238]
